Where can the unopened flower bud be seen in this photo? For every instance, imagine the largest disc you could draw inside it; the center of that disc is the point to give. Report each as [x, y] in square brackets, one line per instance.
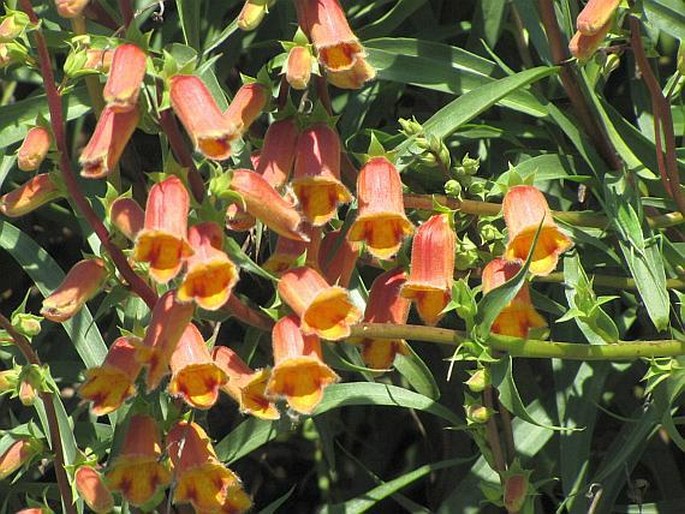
[9, 379]
[515, 491]
[477, 413]
[453, 188]
[13, 25]
[34, 193]
[26, 323]
[34, 149]
[70, 8]
[410, 127]
[252, 13]
[92, 489]
[30, 384]
[84, 280]
[298, 67]
[19, 453]
[479, 380]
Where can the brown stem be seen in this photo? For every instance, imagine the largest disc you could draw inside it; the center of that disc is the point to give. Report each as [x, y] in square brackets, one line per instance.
[238, 309]
[95, 12]
[569, 80]
[493, 435]
[663, 123]
[324, 96]
[507, 431]
[126, 11]
[136, 283]
[55, 438]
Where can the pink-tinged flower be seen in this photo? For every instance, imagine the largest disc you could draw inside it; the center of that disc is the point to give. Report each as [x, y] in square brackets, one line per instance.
[195, 377]
[12, 26]
[264, 203]
[107, 144]
[19, 453]
[110, 385]
[583, 46]
[337, 258]
[83, 281]
[516, 487]
[167, 324]
[126, 215]
[381, 222]
[324, 310]
[285, 255]
[34, 193]
[70, 8]
[245, 385]
[385, 305]
[34, 149]
[278, 152]
[238, 220]
[519, 316]
[137, 471]
[595, 15]
[340, 52]
[162, 242]
[211, 275]
[248, 103]
[31, 382]
[34, 510]
[316, 179]
[125, 78]
[524, 209]
[298, 67]
[201, 479]
[432, 268]
[91, 488]
[299, 375]
[98, 59]
[211, 132]
[252, 13]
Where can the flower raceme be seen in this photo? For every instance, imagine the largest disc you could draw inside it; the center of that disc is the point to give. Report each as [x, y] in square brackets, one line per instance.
[245, 385]
[163, 240]
[524, 209]
[125, 79]
[210, 131]
[248, 103]
[432, 268]
[519, 316]
[195, 377]
[34, 193]
[91, 487]
[34, 148]
[84, 280]
[324, 310]
[381, 222]
[299, 374]
[137, 471]
[316, 178]
[108, 386]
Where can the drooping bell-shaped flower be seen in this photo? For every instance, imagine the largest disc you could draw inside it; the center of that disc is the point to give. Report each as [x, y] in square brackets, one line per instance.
[125, 78]
[162, 242]
[210, 274]
[195, 377]
[324, 310]
[105, 147]
[278, 152]
[245, 385]
[91, 488]
[337, 258]
[316, 179]
[200, 478]
[17, 454]
[299, 375]
[83, 281]
[32, 194]
[70, 8]
[595, 16]
[126, 215]
[285, 255]
[298, 67]
[34, 148]
[210, 131]
[108, 386]
[248, 103]
[252, 13]
[525, 208]
[432, 268]
[519, 316]
[381, 222]
[137, 471]
[583, 46]
[385, 305]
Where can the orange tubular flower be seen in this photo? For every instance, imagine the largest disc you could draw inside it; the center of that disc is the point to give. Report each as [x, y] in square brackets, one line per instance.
[519, 315]
[20, 452]
[201, 479]
[316, 179]
[337, 258]
[211, 132]
[285, 255]
[595, 16]
[92, 489]
[278, 153]
[298, 67]
[125, 78]
[381, 222]
[385, 305]
[195, 377]
[107, 144]
[245, 385]
[162, 242]
[34, 149]
[325, 310]
[34, 193]
[84, 280]
[137, 471]
[432, 268]
[583, 46]
[70, 8]
[167, 324]
[248, 103]
[524, 209]
[264, 203]
[126, 215]
[110, 385]
[211, 275]
[340, 52]
[299, 374]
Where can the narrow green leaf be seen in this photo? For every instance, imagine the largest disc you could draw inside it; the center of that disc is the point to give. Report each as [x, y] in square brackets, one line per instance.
[273, 507]
[189, 14]
[399, 12]
[418, 375]
[667, 15]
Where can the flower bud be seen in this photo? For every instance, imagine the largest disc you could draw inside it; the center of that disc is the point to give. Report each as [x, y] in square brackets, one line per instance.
[70, 8]
[84, 280]
[126, 215]
[479, 380]
[583, 46]
[9, 379]
[252, 13]
[92, 489]
[19, 453]
[248, 103]
[278, 152]
[515, 492]
[26, 323]
[125, 78]
[298, 67]
[31, 384]
[13, 25]
[34, 149]
[477, 413]
[595, 15]
[34, 193]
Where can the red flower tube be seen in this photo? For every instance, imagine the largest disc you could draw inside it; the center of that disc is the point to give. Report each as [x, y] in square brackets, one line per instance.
[84, 280]
[248, 103]
[126, 215]
[337, 258]
[125, 78]
[34, 148]
[278, 152]
[34, 193]
[92, 489]
[595, 15]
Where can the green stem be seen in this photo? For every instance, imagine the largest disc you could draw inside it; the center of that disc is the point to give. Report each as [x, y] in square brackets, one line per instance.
[529, 348]
[612, 282]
